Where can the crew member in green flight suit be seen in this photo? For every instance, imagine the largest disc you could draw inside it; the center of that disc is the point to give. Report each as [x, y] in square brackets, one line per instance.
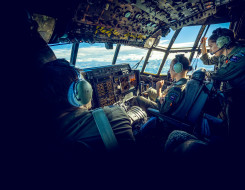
[231, 71]
[167, 100]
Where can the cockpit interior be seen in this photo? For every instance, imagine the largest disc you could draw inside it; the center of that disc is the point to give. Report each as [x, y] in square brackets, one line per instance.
[137, 24]
[124, 47]
[78, 30]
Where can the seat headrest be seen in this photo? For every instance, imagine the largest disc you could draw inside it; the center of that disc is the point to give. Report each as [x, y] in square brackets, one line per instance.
[199, 74]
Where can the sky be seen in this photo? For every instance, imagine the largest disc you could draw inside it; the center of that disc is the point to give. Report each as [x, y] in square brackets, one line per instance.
[97, 55]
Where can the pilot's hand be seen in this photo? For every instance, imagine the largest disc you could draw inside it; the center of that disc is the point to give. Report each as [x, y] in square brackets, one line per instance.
[208, 74]
[203, 40]
[203, 45]
[159, 84]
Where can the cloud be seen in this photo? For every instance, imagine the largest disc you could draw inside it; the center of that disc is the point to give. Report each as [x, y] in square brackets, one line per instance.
[98, 55]
[186, 44]
[62, 53]
[164, 43]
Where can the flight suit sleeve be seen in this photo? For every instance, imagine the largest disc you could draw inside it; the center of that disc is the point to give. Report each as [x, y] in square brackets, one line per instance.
[234, 67]
[209, 61]
[162, 95]
[166, 91]
[152, 94]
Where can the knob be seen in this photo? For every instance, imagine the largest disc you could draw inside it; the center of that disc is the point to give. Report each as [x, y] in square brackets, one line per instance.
[127, 14]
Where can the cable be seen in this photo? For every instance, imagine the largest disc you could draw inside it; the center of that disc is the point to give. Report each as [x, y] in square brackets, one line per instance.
[137, 64]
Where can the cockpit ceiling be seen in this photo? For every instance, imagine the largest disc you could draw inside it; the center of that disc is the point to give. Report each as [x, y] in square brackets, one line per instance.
[129, 22]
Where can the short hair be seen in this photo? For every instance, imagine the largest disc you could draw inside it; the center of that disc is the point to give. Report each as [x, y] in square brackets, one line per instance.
[56, 78]
[185, 62]
[222, 32]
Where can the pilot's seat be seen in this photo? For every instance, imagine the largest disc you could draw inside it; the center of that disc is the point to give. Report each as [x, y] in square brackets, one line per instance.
[189, 115]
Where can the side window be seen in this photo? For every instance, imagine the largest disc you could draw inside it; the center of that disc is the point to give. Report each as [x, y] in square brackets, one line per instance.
[186, 37]
[62, 51]
[196, 61]
[215, 26]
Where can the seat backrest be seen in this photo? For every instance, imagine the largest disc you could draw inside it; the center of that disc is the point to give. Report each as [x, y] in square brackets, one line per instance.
[191, 89]
[188, 112]
[198, 104]
[195, 96]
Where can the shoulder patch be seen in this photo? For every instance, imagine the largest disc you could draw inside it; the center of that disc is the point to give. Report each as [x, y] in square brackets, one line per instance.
[173, 96]
[235, 58]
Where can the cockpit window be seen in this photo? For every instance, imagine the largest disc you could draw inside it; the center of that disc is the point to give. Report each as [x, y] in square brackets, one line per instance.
[132, 55]
[186, 37]
[62, 51]
[215, 26]
[94, 55]
[164, 41]
[154, 62]
[185, 41]
[197, 64]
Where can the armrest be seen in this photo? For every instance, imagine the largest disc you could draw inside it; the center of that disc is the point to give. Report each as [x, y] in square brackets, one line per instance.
[175, 122]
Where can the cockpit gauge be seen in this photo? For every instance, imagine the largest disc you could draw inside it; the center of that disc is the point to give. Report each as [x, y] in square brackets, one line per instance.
[127, 14]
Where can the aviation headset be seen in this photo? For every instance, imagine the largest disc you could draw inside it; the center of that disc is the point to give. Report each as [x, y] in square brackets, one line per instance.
[178, 66]
[222, 40]
[80, 91]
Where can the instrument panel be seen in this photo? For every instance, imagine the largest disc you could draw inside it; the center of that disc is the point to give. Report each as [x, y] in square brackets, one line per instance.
[112, 83]
[128, 22]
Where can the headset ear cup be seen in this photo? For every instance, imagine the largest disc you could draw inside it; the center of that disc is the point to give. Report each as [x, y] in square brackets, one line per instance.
[178, 67]
[223, 41]
[80, 93]
[84, 92]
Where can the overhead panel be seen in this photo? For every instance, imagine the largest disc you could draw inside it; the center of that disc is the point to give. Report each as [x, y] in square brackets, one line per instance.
[179, 13]
[135, 22]
[112, 21]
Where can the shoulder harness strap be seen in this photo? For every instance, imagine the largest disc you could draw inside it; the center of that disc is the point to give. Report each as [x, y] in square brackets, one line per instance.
[105, 129]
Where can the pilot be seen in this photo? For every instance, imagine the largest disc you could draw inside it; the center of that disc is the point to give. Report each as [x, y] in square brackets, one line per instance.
[34, 128]
[69, 98]
[217, 58]
[167, 100]
[230, 71]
